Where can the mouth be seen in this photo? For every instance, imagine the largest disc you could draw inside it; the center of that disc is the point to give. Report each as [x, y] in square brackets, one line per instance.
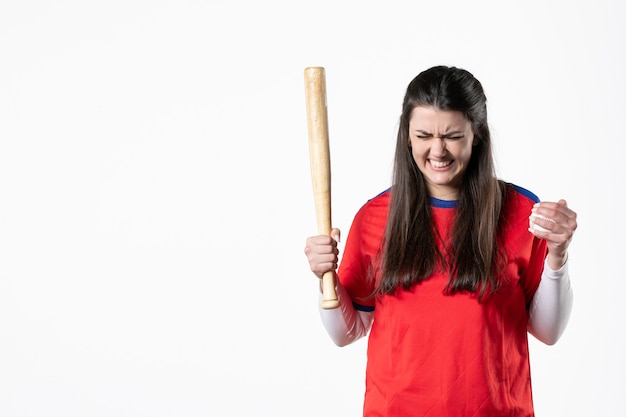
[440, 164]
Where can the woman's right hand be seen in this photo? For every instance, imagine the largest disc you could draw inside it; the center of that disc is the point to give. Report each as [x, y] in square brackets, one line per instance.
[322, 253]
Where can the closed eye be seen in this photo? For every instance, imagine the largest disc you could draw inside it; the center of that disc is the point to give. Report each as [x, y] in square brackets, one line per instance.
[422, 134]
[453, 137]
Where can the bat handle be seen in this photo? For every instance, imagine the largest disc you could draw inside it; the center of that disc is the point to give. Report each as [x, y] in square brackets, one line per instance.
[329, 295]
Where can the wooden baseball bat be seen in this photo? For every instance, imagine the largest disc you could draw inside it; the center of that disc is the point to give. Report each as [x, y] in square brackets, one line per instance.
[319, 153]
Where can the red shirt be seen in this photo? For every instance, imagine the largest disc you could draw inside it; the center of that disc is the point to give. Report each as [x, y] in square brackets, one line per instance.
[432, 354]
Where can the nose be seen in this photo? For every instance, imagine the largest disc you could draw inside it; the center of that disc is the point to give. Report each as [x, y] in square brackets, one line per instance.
[439, 146]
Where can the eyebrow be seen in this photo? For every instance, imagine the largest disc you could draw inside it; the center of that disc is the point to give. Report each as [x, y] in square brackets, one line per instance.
[454, 132]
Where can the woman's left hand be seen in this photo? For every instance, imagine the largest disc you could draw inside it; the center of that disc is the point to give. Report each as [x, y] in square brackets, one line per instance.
[555, 223]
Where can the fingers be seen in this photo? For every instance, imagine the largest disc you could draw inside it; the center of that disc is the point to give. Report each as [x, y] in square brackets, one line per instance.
[555, 223]
[552, 209]
[549, 217]
[322, 252]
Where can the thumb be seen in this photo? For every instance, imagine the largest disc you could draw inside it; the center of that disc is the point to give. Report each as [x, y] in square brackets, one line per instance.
[336, 234]
[562, 203]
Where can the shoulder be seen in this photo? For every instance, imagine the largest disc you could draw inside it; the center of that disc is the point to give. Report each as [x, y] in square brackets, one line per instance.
[514, 190]
[374, 210]
[380, 198]
[379, 202]
[519, 201]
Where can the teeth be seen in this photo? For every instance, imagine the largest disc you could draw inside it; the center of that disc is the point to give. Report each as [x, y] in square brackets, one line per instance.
[440, 164]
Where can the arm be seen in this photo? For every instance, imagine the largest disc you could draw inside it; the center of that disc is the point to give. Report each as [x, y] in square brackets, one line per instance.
[345, 324]
[551, 305]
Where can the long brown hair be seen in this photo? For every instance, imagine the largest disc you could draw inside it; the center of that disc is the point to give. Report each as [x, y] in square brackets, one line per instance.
[410, 251]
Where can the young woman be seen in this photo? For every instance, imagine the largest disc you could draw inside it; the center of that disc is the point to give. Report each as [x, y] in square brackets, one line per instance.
[449, 269]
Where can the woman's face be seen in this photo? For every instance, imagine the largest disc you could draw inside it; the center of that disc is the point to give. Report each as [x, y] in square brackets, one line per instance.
[441, 143]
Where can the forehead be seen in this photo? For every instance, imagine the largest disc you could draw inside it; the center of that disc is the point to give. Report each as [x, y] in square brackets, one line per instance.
[433, 117]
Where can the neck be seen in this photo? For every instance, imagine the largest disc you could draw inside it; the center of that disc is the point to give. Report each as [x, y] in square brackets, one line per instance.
[443, 193]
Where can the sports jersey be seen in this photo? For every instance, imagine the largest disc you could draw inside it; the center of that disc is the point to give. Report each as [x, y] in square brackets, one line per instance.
[436, 354]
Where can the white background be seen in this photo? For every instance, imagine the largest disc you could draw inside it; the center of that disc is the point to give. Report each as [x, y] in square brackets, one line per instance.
[155, 191]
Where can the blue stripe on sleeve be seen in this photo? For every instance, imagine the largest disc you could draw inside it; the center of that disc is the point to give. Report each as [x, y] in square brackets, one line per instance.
[525, 192]
[361, 307]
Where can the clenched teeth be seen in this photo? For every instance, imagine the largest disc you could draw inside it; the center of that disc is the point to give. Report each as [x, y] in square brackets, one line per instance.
[440, 164]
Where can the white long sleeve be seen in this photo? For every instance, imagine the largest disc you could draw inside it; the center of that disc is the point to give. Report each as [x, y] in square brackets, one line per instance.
[552, 305]
[345, 324]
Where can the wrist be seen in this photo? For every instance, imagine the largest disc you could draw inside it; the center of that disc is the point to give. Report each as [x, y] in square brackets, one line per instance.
[556, 262]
